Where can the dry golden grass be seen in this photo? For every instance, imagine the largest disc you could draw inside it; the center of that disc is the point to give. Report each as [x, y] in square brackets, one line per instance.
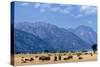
[18, 58]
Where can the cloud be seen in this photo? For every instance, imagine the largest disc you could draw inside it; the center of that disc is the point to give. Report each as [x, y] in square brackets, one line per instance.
[37, 5]
[42, 6]
[88, 10]
[59, 9]
[67, 9]
[24, 4]
[85, 11]
[56, 9]
[46, 5]
[51, 8]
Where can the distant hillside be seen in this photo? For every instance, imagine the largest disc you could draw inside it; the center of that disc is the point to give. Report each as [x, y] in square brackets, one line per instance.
[39, 36]
[86, 33]
[26, 42]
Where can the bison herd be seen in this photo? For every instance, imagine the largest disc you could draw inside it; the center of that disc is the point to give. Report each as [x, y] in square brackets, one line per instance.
[48, 58]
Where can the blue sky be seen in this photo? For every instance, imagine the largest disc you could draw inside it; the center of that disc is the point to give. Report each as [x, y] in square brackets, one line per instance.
[62, 15]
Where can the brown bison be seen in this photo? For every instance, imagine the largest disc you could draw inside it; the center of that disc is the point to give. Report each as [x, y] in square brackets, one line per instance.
[44, 58]
[25, 60]
[69, 57]
[80, 58]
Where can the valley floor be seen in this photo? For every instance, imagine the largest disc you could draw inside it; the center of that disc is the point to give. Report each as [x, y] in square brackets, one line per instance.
[48, 58]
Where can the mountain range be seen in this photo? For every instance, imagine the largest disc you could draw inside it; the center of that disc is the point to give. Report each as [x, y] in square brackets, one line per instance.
[86, 33]
[41, 36]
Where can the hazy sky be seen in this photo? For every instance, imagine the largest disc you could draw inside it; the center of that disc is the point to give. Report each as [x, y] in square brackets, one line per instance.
[62, 15]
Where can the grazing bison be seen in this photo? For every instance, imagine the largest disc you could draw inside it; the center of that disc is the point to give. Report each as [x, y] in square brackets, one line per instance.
[69, 57]
[80, 58]
[31, 59]
[65, 59]
[36, 56]
[44, 58]
[91, 54]
[25, 60]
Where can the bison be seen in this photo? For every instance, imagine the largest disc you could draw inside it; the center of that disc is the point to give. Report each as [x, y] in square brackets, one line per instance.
[69, 57]
[25, 60]
[44, 58]
[80, 58]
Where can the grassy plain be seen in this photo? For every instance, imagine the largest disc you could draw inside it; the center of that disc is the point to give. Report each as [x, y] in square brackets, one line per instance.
[76, 57]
